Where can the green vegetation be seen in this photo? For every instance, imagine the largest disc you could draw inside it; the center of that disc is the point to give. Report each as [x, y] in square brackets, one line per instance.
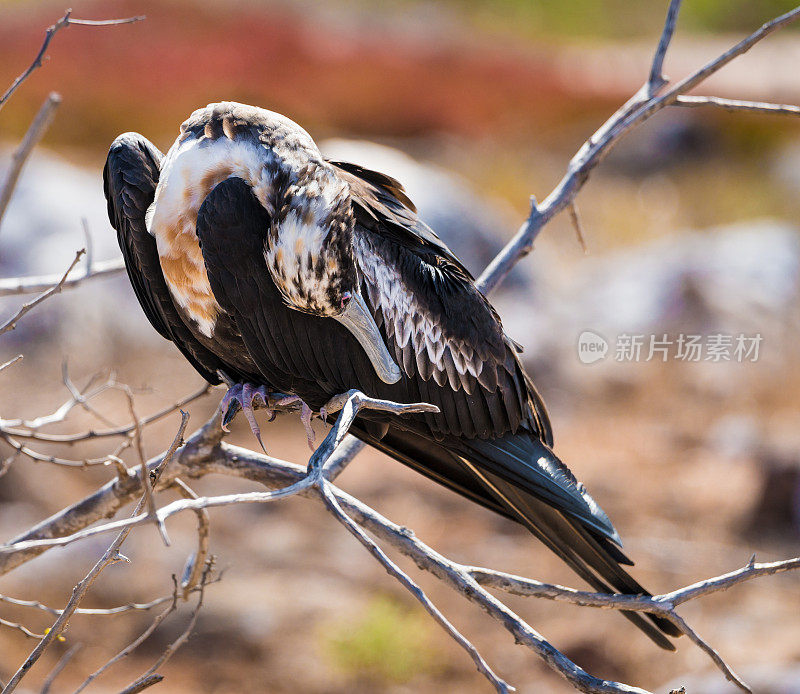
[389, 643]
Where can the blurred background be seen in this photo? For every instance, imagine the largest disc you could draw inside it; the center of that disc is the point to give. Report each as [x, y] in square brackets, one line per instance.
[691, 226]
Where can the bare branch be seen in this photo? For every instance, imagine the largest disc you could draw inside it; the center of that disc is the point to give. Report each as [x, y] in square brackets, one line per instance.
[98, 611]
[131, 646]
[11, 323]
[704, 646]
[65, 21]
[33, 284]
[193, 571]
[146, 679]
[713, 585]
[177, 442]
[106, 22]
[656, 79]
[10, 427]
[639, 108]
[32, 138]
[149, 497]
[59, 667]
[20, 628]
[138, 641]
[82, 398]
[204, 454]
[110, 556]
[3, 367]
[405, 580]
[78, 397]
[142, 684]
[738, 105]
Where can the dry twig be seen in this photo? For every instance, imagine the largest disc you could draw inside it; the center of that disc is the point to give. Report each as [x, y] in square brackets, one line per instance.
[31, 427]
[65, 21]
[59, 668]
[10, 362]
[650, 99]
[32, 138]
[11, 323]
[31, 285]
[149, 677]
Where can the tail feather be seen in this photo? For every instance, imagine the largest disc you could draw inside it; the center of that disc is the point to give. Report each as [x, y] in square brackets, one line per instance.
[522, 479]
[584, 554]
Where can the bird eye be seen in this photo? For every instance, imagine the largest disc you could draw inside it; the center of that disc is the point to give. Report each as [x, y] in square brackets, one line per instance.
[346, 296]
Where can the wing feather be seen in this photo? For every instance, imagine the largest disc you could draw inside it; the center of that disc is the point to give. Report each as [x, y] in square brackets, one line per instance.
[442, 330]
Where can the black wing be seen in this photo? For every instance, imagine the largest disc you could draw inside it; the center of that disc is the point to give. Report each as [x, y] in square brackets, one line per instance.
[445, 335]
[130, 178]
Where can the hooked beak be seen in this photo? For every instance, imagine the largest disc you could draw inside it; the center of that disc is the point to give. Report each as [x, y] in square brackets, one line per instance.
[358, 320]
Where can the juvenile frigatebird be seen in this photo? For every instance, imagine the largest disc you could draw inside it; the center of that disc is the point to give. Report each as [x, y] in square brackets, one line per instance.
[289, 273]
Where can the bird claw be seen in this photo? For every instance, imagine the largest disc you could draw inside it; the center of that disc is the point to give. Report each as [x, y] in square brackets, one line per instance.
[241, 397]
[305, 417]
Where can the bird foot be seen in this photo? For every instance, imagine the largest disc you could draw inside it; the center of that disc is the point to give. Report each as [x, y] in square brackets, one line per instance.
[335, 404]
[241, 396]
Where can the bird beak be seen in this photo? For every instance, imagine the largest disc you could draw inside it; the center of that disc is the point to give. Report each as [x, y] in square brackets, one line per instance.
[358, 320]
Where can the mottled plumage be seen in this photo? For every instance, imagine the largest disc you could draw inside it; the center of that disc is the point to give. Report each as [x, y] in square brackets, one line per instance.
[258, 257]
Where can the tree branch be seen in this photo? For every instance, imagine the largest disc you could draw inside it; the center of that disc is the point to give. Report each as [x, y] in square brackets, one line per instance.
[642, 106]
[32, 138]
[65, 21]
[738, 105]
[329, 499]
[206, 453]
[656, 80]
[11, 323]
[39, 283]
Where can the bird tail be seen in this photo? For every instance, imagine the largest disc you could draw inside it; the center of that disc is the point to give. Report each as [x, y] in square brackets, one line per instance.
[520, 478]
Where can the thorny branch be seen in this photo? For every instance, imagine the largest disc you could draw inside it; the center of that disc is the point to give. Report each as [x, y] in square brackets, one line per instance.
[206, 453]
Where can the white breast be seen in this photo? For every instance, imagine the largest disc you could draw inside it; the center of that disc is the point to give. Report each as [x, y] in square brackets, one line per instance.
[191, 169]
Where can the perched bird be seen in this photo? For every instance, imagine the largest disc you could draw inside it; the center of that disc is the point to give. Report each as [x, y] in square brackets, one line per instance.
[288, 273]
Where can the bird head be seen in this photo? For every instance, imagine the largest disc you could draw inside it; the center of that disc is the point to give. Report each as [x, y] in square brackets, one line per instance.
[311, 258]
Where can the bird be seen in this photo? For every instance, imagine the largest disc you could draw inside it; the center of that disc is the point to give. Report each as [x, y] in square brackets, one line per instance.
[279, 271]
